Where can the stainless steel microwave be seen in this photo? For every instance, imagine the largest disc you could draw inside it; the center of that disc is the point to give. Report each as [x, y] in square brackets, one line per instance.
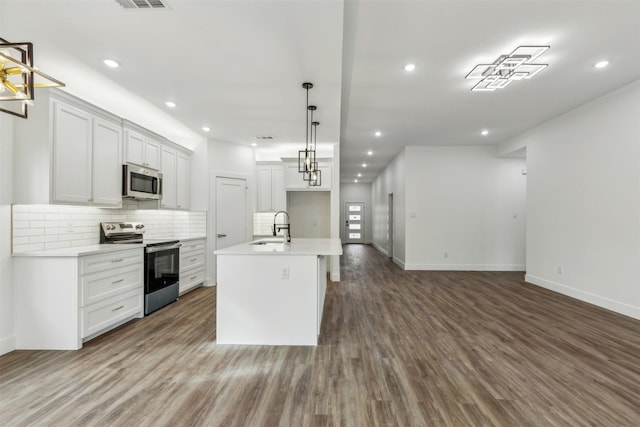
[141, 183]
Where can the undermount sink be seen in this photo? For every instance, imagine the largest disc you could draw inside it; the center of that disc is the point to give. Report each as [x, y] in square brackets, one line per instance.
[267, 242]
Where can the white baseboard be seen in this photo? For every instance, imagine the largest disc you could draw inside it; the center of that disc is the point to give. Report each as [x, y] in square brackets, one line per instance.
[467, 267]
[7, 345]
[399, 262]
[600, 301]
[380, 249]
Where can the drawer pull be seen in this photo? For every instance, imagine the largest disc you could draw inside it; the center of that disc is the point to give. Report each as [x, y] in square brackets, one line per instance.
[193, 259]
[117, 308]
[117, 260]
[193, 277]
[117, 281]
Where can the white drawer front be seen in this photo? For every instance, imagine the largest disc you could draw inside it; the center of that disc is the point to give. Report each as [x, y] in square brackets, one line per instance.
[191, 278]
[188, 261]
[105, 284]
[193, 246]
[101, 315]
[111, 260]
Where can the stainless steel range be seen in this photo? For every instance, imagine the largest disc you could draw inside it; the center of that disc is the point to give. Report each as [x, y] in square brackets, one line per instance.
[161, 262]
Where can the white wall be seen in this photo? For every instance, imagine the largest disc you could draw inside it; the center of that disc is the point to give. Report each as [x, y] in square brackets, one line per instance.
[583, 231]
[361, 193]
[465, 209]
[7, 332]
[390, 181]
[310, 213]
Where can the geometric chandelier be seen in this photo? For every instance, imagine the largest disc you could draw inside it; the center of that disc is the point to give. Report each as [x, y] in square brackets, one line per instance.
[19, 78]
[506, 69]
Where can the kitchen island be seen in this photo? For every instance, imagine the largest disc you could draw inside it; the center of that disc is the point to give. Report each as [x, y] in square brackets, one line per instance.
[272, 293]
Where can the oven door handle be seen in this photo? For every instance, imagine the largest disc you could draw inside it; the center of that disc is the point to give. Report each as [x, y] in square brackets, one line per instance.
[152, 249]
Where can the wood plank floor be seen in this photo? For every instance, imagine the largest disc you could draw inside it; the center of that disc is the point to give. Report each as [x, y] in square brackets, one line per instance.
[397, 348]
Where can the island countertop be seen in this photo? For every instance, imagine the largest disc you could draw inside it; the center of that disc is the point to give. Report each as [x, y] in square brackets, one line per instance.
[274, 246]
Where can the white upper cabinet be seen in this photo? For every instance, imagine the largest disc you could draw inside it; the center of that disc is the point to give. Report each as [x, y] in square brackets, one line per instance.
[72, 154]
[183, 181]
[87, 159]
[271, 192]
[142, 150]
[169, 164]
[107, 163]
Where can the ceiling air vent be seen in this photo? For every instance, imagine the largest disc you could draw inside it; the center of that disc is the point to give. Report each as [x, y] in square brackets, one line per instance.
[264, 137]
[143, 4]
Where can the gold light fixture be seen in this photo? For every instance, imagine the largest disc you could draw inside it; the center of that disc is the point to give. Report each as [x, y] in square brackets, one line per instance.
[19, 77]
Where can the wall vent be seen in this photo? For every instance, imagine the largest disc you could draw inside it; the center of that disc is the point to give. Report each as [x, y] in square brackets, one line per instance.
[143, 4]
[264, 137]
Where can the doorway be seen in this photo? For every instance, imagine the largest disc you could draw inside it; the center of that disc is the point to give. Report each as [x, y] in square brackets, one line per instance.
[390, 226]
[354, 222]
[231, 208]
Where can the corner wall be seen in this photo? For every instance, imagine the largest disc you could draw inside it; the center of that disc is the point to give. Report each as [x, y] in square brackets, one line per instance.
[7, 326]
[583, 231]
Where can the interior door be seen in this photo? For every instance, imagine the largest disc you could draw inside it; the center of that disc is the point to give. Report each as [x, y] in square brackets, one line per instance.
[231, 212]
[354, 222]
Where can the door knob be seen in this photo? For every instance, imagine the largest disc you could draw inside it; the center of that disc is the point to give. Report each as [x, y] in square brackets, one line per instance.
[222, 235]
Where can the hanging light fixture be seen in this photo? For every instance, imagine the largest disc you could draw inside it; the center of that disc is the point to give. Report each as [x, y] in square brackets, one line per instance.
[19, 78]
[313, 165]
[307, 157]
[315, 176]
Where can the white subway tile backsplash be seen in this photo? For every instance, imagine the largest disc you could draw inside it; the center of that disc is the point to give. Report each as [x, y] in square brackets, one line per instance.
[37, 227]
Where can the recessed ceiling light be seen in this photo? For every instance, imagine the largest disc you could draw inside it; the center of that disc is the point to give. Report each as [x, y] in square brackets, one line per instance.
[601, 64]
[111, 63]
[254, 144]
[364, 165]
[484, 132]
[355, 180]
[377, 133]
[170, 104]
[359, 175]
[410, 67]
[370, 153]
[206, 128]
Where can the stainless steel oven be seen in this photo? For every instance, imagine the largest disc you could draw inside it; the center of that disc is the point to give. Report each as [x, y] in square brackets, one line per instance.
[161, 262]
[162, 269]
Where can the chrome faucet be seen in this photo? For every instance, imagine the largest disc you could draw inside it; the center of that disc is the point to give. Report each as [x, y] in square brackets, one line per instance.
[279, 227]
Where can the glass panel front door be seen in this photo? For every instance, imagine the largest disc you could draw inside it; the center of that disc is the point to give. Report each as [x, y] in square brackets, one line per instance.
[354, 223]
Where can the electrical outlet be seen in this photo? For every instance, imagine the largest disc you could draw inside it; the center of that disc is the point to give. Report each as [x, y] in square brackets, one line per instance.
[284, 272]
[446, 254]
[560, 270]
[69, 227]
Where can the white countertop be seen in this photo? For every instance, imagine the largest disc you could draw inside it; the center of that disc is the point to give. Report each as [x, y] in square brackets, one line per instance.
[274, 246]
[79, 250]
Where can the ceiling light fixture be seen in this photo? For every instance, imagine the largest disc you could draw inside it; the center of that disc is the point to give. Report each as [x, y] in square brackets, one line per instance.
[369, 153]
[409, 67]
[355, 180]
[517, 65]
[484, 132]
[111, 63]
[364, 165]
[206, 128]
[170, 104]
[377, 133]
[359, 175]
[601, 64]
[254, 144]
[19, 77]
[315, 176]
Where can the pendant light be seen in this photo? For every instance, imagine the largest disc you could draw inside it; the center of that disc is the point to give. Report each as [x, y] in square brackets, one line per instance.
[307, 157]
[315, 176]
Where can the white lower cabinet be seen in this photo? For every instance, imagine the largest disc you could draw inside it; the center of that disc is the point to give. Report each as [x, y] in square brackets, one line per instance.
[191, 264]
[65, 300]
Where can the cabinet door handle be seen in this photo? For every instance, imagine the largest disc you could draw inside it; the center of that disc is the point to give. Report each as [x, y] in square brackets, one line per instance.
[117, 308]
[117, 281]
[192, 277]
[117, 260]
[193, 259]
[222, 235]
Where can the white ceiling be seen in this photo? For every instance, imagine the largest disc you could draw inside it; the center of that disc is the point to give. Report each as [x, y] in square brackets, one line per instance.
[237, 66]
